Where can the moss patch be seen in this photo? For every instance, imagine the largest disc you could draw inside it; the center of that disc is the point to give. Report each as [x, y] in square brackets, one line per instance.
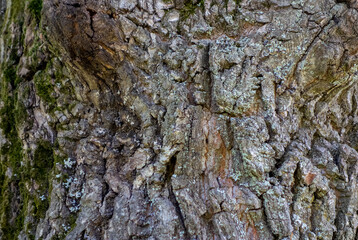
[22, 171]
[11, 219]
[35, 8]
[190, 8]
[10, 76]
[44, 88]
[43, 161]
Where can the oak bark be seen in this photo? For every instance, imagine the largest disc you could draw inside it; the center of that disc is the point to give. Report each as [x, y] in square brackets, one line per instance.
[176, 119]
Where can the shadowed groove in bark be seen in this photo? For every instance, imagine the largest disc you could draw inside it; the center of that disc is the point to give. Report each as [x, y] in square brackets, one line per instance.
[174, 201]
[92, 13]
[168, 178]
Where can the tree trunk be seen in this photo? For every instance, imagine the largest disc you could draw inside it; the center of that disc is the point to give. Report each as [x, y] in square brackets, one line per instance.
[177, 119]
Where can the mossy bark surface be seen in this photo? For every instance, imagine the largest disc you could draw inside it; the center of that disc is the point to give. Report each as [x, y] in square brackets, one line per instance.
[176, 119]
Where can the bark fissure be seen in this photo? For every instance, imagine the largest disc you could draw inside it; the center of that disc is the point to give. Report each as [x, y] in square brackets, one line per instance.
[173, 199]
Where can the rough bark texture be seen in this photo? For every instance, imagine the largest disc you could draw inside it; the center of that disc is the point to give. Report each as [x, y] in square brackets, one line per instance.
[176, 119]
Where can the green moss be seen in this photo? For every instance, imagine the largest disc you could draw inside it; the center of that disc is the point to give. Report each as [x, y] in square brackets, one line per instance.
[40, 207]
[7, 227]
[17, 6]
[238, 2]
[20, 113]
[44, 88]
[12, 158]
[43, 161]
[40, 172]
[35, 8]
[15, 20]
[59, 159]
[13, 148]
[190, 8]
[60, 236]
[10, 75]
[72, 220]
[13, 115]
[8, 119]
